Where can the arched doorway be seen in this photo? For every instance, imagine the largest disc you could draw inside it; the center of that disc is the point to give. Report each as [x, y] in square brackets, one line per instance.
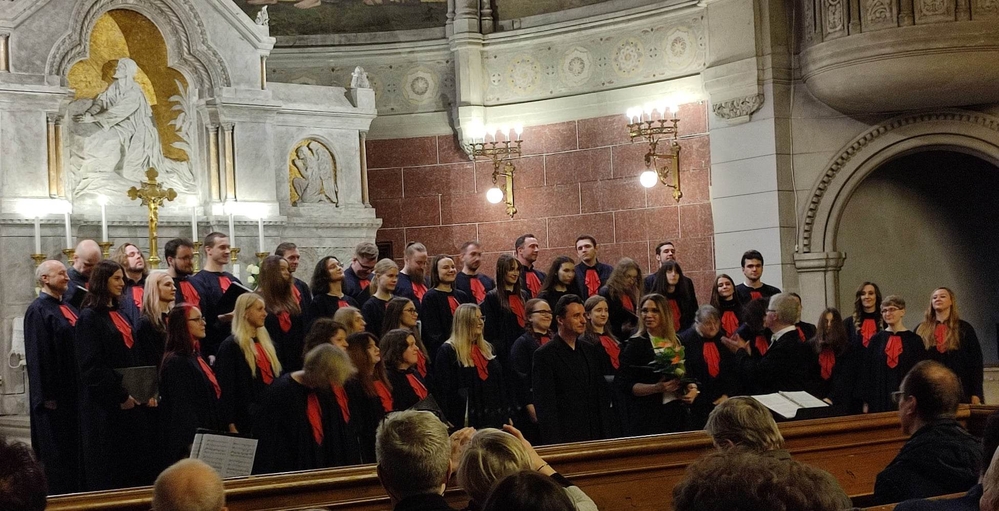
[923, 220]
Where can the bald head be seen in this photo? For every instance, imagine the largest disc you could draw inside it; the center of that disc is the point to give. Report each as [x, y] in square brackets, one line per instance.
[86, 256]
[936, 388]
[188, 485]
[52, 277]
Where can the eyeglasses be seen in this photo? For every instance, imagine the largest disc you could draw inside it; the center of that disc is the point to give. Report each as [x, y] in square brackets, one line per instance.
[365, 266]
[200, 319]
[544, 313]
[890, 310]
[897, 396]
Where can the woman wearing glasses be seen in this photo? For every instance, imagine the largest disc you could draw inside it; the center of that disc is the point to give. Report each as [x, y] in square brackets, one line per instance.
[889, 356]
[401, 313]
[537, 334]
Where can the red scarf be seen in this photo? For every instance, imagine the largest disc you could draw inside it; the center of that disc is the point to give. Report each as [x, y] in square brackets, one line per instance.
[452, 302]
[801, 333]
[341, 400]
[592, 281]
[755, 295]
[940, 333]
[263, 363]
[827, 360]
[478, 290]
[364, 283]
[189, 293]
[68, 314]
[124, 328]
[868, 328]
[481, 364]
[419, 289]
[674, 309]
[296, 293]
[544, 339]
[418, 387]
[613, 350]
[137, 296]
[712, 358]
[210, 375]
[627, 304]
[730, 323]
[315, 413]
[533, 282]
[762, 345]
[224, 283]
[284, 321]
[517, 308]
[421, 363]
[893, 350]
[385, 395]
[341, 303]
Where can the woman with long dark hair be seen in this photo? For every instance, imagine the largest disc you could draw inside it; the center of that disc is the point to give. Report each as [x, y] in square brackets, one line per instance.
[866, 319]
[386, 276]
[723, 298]
[118, 432]
[504, 310]
[286, 321]
[157, 297]
[401, 313]
[559, 281]
[623, 288]
[400, 355]
[189, 391]
[838, 363]
[327, 289]
[440, 302]
[953, 342]
[369, 391]
[682, 306]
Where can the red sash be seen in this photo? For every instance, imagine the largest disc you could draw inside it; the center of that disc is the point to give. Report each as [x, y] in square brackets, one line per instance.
[211, 375]
[190, 294]
[419, 289]
[417, 386]
[342, 303]
[517, 308]
[478, 290]
[867, 330]
[315, 413]
[940, 334]
[544, 339]
[421, 363]
[712, 358]
[755, 295]
[224, 282]
[452, 302]
[533, 282]
[592, 282]
[627, 304]
[137, 296]
[364, 283]
[284, 321]
[674, 309]
[68, 314]
[801, 333]
[341, 400]
[827, 360]
[124, 328]
[296, 293]
[893, 350]
[385, 395]
[730, 323]
[264, 364]
[762, 345]
[613, 350]
[481, 364]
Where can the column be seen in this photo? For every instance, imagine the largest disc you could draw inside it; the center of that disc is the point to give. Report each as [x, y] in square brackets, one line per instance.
[818, 280]
[362, 136]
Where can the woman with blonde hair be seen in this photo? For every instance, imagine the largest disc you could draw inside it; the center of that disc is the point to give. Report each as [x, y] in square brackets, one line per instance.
[472, 385]
[157, 300]
[623, 288]
[351, 318]
[742, 421]
[953, 342]
[386, 276]
[246, 363]
[286, 321]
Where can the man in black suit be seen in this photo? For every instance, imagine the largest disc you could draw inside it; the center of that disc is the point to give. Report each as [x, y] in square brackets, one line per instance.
[787, 362]
[570, 393]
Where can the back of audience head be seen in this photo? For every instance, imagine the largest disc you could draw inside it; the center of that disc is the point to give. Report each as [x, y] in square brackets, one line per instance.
[188, 485]
[23, 486]
[527, 490]
[490, 456]
[414, 454]
[990, 469]
[935, 389]
[746, 423]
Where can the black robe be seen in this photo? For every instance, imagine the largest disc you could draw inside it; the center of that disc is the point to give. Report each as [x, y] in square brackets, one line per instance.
[884, 368]
[686, 305]
[403, 394]
[436, 317]
[152, 337]
[209, 285]
[786, 366]
[53, 375]
[131, 298]
[463, 282]
[966, 362]
[731, 315]
[366, 413]
[531, 293]
[570, 393]
[187, 291]
[304, 296]
[860, 338]
[698, 350]
[76, 280]
[502, 327]
[521, 361]
[325, 305]
[603, 273]
[552, 296]
[486, 403]
[373, 312]
[747, 294]
[119, 446]
[623, 323]
[288, 344]
[619, 401]
[352, 286]
[685, 283]
[805, 331]
[405, 289]
[837, 376]
[188, 401]
[647, 414]
[241, 389]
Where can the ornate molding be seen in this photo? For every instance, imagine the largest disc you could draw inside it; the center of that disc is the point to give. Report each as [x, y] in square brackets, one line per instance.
[738, 108]
[859, 144]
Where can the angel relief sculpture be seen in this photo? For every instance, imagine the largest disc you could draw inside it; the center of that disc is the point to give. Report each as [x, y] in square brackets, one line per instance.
[317, 183]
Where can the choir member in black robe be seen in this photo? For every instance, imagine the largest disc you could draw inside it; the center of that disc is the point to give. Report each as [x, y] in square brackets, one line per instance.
[591, 274]
[682, 306]
[440, 302]
[753, 288]
[369, 391]
[85, 258]
[412, 279]
[622, 291]
[325, 331]
[954, 343]
[212, 282]
[351, 318]
[327, 286]
[386, 277]
[118, 432]
[598, 334]
[179, 254]
[866, 320]
[469, 280]
[838, 366]
[708, 363]
[247, 362]
[328, 331]
[299, 425]
[754, 330]
[527, 248]
[53, 379]
[646, 389]
[536, 335]
[357, 278]
[158, 300]
[890, 355]
[289, 251]
[402, 313]
[560, 281]
[286, 321]
[805, 330]
[570, 392]
[130, 257]
[401, 354]
[504, 310]
[723, 298]
[666, 251]
[189, 390]
[473, 390]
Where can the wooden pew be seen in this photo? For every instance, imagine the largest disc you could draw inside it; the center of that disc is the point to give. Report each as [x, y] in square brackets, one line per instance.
[631, 473]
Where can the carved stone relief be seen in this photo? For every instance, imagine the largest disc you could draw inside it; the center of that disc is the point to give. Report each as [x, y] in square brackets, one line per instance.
[835, 17]
[312, 174]
[930, 11]
[738, 109]
[879, 14]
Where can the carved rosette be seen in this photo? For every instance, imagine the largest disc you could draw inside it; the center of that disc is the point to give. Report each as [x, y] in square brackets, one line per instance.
[738, 109]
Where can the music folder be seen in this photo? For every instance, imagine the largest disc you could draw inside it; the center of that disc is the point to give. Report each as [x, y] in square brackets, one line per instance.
[228, 301]
[141, 382]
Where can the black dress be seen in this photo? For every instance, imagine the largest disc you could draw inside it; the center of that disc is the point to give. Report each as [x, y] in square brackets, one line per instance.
[711, 365]
[684, 306]
[366, 413]
[211, 286]
[731, 316]
[151, 336]
[622, 321]
[647, 414]
[373, 312]
[241, 389]
[466, 398]
[405, 392]
[553, 295]
[887, 359]
[189, 399]
[436, 316]
[288, 336]
[836, 377]
[502, 326]
[521, 361]
[325, 305]
[870, 324]
[966, 362]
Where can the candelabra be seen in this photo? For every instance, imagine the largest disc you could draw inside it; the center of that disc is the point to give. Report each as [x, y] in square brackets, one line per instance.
[262, 255]
[501, 154]
[105, 248]
[197, 256]
[233, 255]
[663, 165]
[38, 258]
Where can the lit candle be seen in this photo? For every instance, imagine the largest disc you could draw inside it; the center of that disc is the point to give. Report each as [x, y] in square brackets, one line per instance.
[69, 232]
[194, 224]
[260, 231]
[104, 222]
[232, 232]
[38, 235]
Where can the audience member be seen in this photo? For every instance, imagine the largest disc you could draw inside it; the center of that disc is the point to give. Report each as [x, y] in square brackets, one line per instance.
[744, 422]
[414, 461]
[22, 480]
[189, 485]
[527, 490]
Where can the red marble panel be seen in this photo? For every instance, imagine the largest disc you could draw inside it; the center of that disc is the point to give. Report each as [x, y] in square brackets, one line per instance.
[448, 150]
[385, 183]
[421, 211]
[445, 239]
[401, 152]
[696, 220]
[500, 236]
[628, 160]
[638, 251]
[550, 138]
[693, 184]
[650, 224]
[487, 266]
[693, 118]
[530, 173]
[695, 153]
[578, 166]
[612, 195]
[396, 236]
[696, 254]
[389, 210]
[439, 180]
[563, 231]
[469, 208]
[603, 131]
[547, 201]
[703, 280]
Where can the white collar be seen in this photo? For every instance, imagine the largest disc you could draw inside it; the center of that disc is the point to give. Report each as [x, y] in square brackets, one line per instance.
[781, 332]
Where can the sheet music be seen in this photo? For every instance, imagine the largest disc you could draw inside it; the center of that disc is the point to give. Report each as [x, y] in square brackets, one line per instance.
[804, 399]
[230, 456]
[778, 403]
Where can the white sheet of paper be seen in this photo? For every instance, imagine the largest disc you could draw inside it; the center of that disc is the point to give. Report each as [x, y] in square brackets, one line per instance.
[804, 399]
[778, 403]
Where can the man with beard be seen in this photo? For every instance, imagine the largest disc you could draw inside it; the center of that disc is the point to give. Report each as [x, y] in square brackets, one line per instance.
[666, 251]
[526, 249]
[179, 253]
[412, 280]
[212, 282]
[469, 279]
[289, 251]
[357, 276]
[131, 258]
[85, 257]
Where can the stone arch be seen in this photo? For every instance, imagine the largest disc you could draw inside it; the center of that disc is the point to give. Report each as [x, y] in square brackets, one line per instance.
[183, 29]
[970, 132]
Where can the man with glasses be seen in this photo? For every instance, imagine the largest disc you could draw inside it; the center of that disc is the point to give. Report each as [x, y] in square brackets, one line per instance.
[357, 277]
[179, 253]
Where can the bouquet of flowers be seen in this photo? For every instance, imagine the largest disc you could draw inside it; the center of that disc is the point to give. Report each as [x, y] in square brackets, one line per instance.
[669, 361]
[252, 275]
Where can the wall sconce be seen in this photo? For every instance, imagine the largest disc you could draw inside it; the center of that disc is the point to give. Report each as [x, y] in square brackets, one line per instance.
[664, 166]
[501, 152]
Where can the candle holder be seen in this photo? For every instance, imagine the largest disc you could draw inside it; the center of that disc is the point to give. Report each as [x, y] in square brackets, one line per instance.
[197, 256]
[501, 154]
[233, 255]
[106, 248]
[69, 253]
[262, 255]
[38, 258]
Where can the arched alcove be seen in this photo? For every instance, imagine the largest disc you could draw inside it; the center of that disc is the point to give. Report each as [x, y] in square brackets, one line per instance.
[923, 220]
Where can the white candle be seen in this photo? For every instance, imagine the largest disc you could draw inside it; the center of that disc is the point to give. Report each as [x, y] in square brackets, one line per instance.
[232, 232]
[69, 232]
[38, 235]
[260, 230]
[194, 223]
[104, 222]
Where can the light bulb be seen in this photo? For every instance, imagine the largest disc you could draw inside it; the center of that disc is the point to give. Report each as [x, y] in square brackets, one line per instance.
[102, 200]
[494, 195]
[648, 178]
[519, 129]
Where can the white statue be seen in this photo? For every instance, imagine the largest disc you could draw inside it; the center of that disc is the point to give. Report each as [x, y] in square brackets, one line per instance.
[318, 182]
[263, 18]
[359, 79]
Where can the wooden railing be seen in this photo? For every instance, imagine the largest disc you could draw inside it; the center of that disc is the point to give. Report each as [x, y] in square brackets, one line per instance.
[630, 473]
